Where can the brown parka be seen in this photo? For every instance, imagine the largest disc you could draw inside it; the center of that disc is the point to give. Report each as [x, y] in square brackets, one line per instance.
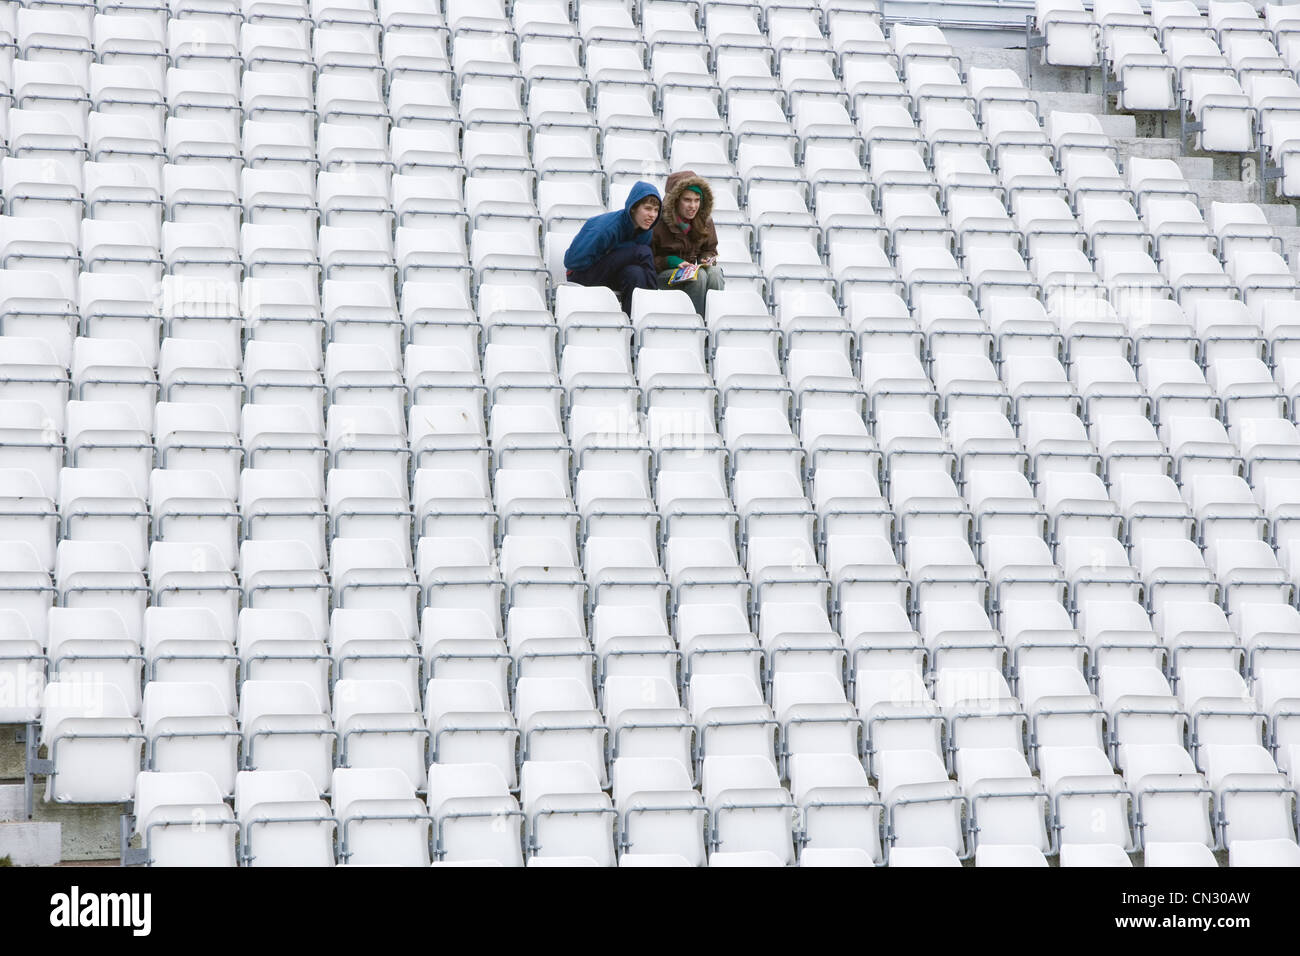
[695, 244]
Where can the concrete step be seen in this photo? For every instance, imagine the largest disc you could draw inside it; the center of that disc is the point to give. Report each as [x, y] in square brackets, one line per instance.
[84, 831]
[1116, 125]
[1290, 236]
[11, 803]
[1146, 147]
[1222, 190]
[1050, 100]
[1227, 166]
[12, 753]
[89, 831]
[1059, 79]
[1278, 215]
[1196, 167]
[996, 58]
[31, 844]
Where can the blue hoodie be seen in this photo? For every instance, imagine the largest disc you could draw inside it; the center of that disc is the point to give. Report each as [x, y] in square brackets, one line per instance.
[600, 234]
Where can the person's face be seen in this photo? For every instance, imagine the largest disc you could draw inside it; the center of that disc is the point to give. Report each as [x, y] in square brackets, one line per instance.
[645, 212]
[688, 205]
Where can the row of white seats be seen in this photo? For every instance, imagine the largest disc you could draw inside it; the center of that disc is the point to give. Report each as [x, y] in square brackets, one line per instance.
[741, 817]
[1233, 72]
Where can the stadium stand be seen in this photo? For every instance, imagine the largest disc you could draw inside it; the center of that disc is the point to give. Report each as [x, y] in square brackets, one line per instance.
[960, 529]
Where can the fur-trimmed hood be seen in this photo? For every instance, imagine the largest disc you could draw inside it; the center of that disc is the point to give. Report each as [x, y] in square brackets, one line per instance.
[673, 190]
[669, 239]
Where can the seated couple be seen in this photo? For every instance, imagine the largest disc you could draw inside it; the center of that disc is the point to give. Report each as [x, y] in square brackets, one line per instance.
[642, 246]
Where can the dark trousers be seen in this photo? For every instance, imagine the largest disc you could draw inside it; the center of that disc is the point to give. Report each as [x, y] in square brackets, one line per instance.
[624, 268]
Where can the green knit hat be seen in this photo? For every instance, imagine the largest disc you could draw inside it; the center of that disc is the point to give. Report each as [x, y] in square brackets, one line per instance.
[697, 190]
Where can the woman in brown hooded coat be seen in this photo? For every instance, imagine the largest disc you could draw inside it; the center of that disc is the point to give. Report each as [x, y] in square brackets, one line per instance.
[685, 233]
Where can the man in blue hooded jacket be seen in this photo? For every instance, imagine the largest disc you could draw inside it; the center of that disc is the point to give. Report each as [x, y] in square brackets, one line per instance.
[613, 249]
